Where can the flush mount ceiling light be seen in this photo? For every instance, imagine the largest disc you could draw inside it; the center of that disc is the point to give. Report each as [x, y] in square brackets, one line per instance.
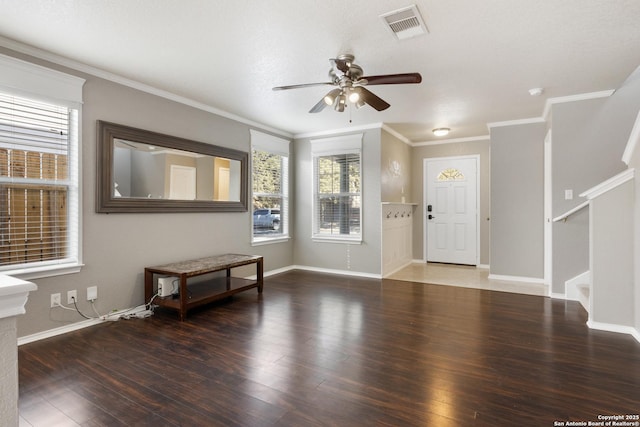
[441, 131]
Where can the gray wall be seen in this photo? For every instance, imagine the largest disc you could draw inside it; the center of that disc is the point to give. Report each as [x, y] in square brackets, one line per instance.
[612, 295]
[117, 247]
[360, 258]
[588, 139]
[635, 163]
[418, 154]
[395, 183]
[517, 200]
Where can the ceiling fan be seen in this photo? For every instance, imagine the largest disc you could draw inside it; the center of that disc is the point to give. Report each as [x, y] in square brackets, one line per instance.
[350, 83]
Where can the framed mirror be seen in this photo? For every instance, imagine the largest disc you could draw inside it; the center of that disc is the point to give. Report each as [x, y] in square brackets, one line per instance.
[144, 171]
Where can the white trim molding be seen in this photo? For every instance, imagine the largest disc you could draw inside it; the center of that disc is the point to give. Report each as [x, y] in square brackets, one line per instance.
[632, 143]
[397, 134]
[516, 122]
[78, 66]
[522, 279]
[573, 98]
[452, 141]
[611, 327]
[609, 184]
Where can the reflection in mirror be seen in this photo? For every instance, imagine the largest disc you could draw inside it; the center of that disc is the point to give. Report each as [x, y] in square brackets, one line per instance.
[154, 172]
[143, 171]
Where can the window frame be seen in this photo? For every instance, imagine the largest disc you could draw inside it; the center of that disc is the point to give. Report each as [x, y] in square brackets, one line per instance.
[280, 147]
[335, 146]
[33, 82]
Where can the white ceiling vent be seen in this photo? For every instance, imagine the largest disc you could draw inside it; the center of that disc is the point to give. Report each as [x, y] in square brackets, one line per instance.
[405, 23]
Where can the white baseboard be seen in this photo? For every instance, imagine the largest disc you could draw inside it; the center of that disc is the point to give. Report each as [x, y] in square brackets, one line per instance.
[556, 295]
[72, 327]
[516, 279]
[483, 266]
[341, 272]
[58, 331]
[397, 269]
[272, 272]
[612, 327]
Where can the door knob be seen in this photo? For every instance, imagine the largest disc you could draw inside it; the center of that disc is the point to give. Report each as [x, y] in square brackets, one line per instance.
[431, 216]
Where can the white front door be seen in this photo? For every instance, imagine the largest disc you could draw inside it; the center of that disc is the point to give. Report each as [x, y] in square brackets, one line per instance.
[451, 210]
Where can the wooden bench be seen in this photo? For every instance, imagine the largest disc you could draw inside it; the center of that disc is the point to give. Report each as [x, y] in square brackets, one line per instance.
[201, 293]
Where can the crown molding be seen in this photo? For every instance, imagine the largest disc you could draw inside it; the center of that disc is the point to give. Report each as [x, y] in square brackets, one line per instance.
[338, 131]
[397, 134]
[573, 98]
[547, 108]
[516, 122]
[452, 141]
[115, 78]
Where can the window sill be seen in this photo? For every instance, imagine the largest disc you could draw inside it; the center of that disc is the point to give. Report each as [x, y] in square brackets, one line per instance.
[343, 240]
[29, 273]
[269, 240]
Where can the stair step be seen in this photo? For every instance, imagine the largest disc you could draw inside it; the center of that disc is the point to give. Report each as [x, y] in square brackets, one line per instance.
[584, 292]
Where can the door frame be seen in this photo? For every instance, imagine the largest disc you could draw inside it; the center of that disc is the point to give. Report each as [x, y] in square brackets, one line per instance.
[548, 212]
[425, 161]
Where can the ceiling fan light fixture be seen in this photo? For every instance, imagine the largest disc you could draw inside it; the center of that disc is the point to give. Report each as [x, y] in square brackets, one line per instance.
[441, 131]
[330, 98]
[341, 100]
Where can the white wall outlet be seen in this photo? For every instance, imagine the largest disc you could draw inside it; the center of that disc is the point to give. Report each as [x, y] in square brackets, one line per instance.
[92, 293]
[55, 300]
[568, 194]
[72, 296]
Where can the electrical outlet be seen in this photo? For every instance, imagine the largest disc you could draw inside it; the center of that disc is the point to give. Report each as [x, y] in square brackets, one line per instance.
[55, 300]
[92, 293]
[72, 296]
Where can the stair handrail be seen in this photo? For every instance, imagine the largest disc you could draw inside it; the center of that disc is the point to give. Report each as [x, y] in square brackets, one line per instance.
[570, 212]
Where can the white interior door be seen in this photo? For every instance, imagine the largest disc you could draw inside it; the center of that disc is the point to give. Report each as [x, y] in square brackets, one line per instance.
[182, 183]
[451, 210]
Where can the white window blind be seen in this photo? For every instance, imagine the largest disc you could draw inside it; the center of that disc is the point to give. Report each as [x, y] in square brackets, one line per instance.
[39, 170]
[270, 187]
[337, 202]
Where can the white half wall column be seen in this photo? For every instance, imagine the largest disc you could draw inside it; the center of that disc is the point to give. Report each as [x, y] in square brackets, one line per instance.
[13, 297]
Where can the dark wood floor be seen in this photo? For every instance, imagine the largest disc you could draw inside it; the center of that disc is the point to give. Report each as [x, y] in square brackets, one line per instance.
[318, 349]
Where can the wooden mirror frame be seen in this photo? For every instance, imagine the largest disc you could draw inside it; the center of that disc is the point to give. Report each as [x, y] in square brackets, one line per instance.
[106, 203]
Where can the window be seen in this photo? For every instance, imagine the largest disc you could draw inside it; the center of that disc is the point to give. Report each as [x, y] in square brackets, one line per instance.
[270, 187]
[450, 174]
[39, 169]
[337, 204]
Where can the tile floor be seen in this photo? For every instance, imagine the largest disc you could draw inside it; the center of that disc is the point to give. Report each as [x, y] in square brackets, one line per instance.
[464, 276]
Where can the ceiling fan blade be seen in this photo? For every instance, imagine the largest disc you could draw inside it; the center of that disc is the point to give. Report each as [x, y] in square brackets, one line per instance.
[393, 79]
[326, 100]
[374, 100]
[318, 107]
[302, 85]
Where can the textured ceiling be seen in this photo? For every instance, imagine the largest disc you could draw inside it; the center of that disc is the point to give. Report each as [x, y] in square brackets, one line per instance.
[478, 60]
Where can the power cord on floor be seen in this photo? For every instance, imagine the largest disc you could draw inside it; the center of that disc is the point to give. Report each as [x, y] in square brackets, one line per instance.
[139, 312]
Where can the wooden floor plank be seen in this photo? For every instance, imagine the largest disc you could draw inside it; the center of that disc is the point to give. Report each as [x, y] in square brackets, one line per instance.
[319, 349]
